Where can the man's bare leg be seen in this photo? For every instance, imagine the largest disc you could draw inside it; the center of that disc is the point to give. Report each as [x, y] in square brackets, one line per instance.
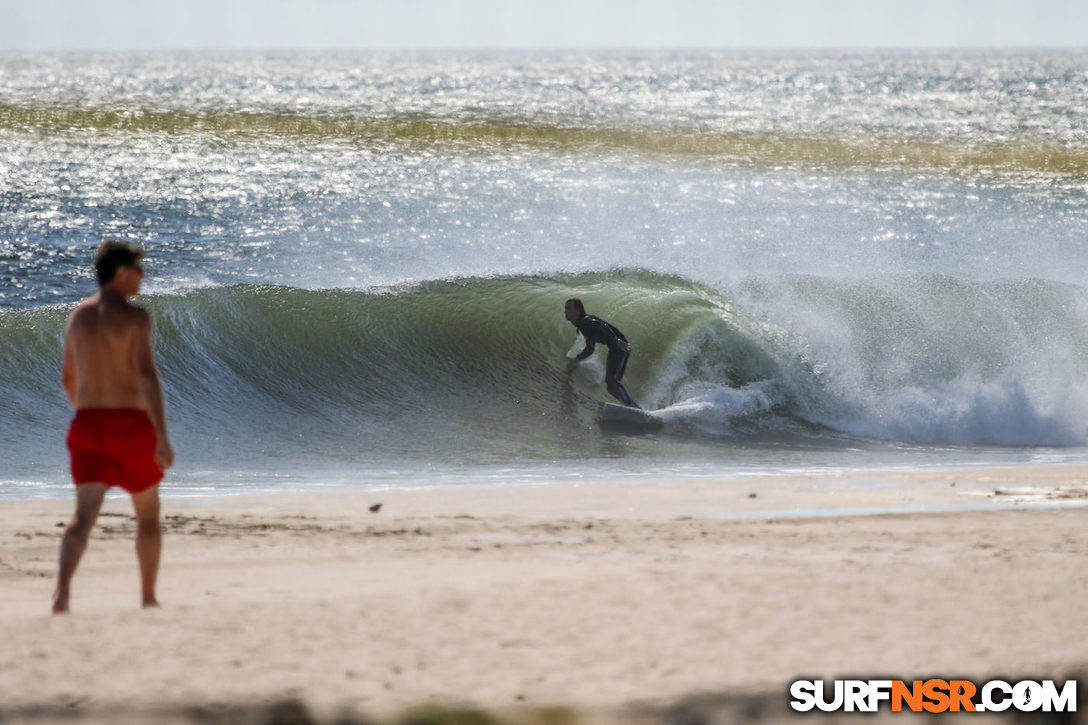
[89, 497]
[148, 542]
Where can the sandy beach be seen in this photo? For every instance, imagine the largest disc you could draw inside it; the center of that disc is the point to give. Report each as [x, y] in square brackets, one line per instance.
[596, 596]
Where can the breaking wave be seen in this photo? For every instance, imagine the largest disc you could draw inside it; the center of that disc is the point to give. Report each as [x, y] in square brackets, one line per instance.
[473, 370]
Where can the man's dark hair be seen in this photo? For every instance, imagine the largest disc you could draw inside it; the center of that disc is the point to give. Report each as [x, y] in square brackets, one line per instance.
[577, 303]
[112, 255]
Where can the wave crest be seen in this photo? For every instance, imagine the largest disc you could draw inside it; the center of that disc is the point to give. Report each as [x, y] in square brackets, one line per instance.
[490, 132]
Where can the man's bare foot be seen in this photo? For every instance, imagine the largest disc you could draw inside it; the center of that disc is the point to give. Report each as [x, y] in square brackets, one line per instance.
[151, 604]
[60, 603]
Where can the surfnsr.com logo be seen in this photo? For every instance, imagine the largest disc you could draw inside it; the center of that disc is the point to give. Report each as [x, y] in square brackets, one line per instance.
[933, 696]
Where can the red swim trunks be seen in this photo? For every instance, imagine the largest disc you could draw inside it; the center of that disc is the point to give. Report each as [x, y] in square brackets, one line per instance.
[114, 446]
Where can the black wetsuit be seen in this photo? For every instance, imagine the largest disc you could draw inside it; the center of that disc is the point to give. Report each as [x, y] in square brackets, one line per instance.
[595, 330]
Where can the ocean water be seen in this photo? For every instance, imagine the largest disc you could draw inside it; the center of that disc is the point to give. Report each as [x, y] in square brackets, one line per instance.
[357, 262]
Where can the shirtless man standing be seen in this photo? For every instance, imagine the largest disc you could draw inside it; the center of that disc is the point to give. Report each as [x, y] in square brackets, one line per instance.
[118, 436]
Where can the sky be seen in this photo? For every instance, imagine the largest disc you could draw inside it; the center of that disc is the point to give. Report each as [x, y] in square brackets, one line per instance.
[480, 24]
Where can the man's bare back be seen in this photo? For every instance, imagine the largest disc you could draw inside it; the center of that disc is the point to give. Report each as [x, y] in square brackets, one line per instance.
[118, 436]
[104, 337]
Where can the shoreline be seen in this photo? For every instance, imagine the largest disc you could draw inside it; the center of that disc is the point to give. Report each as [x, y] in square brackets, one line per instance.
[592, 596]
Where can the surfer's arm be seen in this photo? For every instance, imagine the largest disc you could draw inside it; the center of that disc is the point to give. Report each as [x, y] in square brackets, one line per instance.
[615, 342]
[606, 334]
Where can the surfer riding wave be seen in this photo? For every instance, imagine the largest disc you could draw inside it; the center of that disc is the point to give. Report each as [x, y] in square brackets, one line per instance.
[595, 330]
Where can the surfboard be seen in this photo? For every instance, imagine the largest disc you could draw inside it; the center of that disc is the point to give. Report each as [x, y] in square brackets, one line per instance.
[614, 414]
